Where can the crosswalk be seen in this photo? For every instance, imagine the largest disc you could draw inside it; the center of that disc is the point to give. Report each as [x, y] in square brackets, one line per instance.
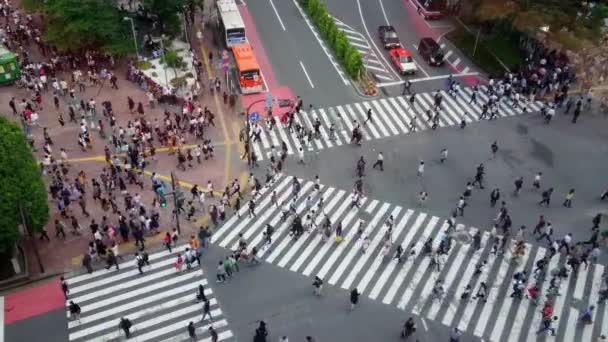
[371, 60]
[408, 285]
[390, 117]
[160, 303]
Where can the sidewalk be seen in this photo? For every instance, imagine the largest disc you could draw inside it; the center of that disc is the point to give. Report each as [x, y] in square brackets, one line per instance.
[60, 255]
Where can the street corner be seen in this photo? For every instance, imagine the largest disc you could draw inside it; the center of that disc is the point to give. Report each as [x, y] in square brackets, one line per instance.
[32, 301]
[281, 99]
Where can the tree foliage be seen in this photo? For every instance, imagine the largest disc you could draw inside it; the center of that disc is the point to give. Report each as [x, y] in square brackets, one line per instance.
[571, 23]
[20, 181]
[74, 25]
[168, 13]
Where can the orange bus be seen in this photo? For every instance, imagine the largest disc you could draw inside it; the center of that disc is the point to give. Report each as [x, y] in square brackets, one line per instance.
[250, 77]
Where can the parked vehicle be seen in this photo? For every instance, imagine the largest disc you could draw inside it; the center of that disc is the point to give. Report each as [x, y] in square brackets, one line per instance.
[431, 51]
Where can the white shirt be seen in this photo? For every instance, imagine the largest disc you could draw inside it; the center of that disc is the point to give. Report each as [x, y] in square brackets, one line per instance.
[421, 168]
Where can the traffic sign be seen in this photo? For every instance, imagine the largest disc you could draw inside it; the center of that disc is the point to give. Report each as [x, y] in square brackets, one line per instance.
[254, 116]
[268, 100]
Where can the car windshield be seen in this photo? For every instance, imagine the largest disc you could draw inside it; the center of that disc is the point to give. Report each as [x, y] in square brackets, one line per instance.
[390, 34]
[406, 59]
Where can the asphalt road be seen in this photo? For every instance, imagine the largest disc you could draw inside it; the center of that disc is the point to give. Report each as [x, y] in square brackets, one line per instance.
[296, 52]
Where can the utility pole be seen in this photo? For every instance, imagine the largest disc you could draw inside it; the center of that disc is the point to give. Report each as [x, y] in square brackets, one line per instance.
[31, 235]
[248, 141]
[175, 202]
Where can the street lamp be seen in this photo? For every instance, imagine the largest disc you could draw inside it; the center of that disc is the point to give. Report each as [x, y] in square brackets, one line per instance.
[162, 48]
[134, 35]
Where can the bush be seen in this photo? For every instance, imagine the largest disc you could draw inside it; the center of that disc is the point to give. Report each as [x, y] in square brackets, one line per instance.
[336, 39]
[20, 181]
[144, 65]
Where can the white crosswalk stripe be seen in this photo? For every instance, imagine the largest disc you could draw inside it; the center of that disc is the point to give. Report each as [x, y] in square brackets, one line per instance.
[371, 60]
[160, 302]
[408, 284]
[390, 117]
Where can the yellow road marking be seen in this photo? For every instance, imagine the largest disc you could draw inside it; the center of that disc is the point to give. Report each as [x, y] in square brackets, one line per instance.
[206, 62]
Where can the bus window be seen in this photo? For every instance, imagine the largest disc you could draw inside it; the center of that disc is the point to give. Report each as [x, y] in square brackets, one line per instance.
[230, 22]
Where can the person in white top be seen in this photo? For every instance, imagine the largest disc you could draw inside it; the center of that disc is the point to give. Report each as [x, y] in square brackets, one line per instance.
[210, 188]
[421, 168]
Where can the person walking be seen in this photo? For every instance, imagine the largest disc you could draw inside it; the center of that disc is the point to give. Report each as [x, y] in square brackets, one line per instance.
[546, 197]
[191, 331]
[251, 208]
[111, 260]
[546, 233]
[444, 155]
[536, 182]
[74, 311]
[368, 116]
[494, 148]
[568, 200]
[87, 262]
[546, 324]
[261, 333]
[213, 334]
[139, 261]
[206, 310]
[519, 182]
[406, 88]
[318, 286]
[379, 162]
[455, 334]
[421, 168]
[354, 298]
[64, 287]
[221, 272]
[125, 324]
[494, 197]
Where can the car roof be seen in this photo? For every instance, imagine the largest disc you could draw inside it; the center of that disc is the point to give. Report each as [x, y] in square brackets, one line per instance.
[429, 41]
[401, 52]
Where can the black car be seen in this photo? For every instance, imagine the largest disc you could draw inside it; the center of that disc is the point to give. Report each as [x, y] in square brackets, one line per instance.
[431, 51]
[388, 36]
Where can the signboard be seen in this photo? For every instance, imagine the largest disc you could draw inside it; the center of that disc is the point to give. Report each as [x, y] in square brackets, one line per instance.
[268, 100]
[254, 116]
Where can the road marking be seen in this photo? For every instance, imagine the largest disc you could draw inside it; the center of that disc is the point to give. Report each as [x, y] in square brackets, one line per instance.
[295, 2]
[465, 70]
[384, 12]
[307, 76]
[369, 36]
[426, 328]
[277, 13]
[456, 62]
[421, 68]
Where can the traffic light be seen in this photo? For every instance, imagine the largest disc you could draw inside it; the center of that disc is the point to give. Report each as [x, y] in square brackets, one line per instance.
[162, 200]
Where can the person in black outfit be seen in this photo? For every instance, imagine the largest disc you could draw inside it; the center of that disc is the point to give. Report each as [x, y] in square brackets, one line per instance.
[261, 333]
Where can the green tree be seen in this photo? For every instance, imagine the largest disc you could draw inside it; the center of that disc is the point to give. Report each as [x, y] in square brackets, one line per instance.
[173, 60]
[75, 25]
[20, 182]
[167, 13]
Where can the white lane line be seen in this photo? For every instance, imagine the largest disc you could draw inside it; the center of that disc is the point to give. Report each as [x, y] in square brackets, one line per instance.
[447, 54]
[384, 12]
[369, 36]
[456, 62]
[426, 328]
[350, 36]
[465, 70]
[306, 73]
[363, 46]
[421, 68]
[277, 13]
[295, 2]
[442, 77]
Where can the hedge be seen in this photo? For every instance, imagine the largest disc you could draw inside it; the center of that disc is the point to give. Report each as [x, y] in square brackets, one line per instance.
[348, 55]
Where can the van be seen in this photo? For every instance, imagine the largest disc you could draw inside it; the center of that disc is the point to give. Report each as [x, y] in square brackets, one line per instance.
[431, 51]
